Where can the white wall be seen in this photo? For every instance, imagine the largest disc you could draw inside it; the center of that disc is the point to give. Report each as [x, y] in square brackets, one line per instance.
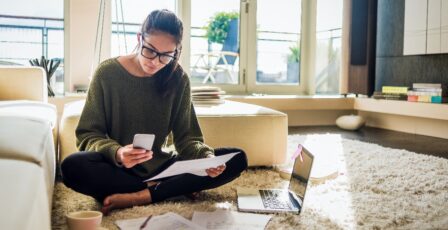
[81, 19]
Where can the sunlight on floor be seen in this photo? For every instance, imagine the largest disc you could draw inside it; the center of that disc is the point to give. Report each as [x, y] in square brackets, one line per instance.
[224, 205]
[330, 167]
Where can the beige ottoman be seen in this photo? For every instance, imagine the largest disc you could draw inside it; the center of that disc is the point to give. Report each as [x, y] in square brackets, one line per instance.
[69, 122]
[259, 131]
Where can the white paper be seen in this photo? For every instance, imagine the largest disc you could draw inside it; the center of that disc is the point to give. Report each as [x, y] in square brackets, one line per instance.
[196, 167]
[168, 220]
[222, 219]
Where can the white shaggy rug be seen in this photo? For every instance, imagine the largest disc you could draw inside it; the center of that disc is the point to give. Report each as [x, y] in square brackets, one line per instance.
[375, 188]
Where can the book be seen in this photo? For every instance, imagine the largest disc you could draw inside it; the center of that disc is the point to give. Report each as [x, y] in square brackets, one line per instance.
[426, 85]
[207, 95]
[427, 99]
[394, 89]
[389, 96]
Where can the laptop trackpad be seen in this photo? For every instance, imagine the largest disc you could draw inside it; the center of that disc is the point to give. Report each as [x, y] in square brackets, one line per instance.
[249, 199]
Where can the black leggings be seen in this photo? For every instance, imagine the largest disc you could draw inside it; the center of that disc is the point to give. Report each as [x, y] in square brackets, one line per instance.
[90, 173]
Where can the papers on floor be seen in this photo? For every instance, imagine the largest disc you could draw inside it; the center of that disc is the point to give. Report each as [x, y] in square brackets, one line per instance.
[219, 219]
[168, 220]
[207, 95]
[196, 167]
[225, 220]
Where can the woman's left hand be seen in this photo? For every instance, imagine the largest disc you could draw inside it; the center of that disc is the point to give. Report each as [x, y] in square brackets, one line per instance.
[214, 172]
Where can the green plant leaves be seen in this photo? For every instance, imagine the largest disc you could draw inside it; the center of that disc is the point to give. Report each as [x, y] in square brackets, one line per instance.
[218, 26]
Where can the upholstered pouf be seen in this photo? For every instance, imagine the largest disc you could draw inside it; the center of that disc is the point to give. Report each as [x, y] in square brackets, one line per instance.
[260, 131]
[69, 122]
[350, 122]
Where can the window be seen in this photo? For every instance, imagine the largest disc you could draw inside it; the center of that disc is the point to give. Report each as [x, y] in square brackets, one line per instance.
[257, 46]
[278, 42]
[268, 56]
[31, 29]
[215, 41]
[127, 17]
[328, 46]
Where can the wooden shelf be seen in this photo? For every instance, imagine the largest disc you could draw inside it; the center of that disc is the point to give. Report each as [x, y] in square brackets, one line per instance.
[404, 108]
[286, 103]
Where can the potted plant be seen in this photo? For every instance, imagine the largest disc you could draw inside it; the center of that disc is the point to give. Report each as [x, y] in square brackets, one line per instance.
[293, 65]
[218, 26]
[50, 67]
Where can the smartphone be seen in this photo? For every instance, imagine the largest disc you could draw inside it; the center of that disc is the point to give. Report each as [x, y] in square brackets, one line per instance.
[143, 141]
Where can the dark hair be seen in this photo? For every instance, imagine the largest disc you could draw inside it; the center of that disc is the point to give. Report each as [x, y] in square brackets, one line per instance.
[167, 22]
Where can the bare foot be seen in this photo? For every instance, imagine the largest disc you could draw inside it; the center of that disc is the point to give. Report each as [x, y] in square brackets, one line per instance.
[125, 200]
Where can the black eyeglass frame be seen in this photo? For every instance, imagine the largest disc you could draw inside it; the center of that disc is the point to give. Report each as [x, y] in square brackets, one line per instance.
[158, 54]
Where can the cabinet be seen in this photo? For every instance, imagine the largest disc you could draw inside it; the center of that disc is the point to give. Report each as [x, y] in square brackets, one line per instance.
[425, 27]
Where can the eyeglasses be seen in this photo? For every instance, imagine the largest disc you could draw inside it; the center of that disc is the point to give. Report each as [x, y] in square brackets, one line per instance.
[150, 53]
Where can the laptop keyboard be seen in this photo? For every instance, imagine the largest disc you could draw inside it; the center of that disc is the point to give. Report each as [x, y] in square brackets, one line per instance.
[275, 199]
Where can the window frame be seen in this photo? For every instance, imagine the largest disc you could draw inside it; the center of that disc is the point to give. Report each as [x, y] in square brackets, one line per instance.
[247, 74]
[248, 48]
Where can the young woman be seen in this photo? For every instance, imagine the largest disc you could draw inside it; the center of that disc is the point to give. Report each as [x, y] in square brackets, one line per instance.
[144, 92]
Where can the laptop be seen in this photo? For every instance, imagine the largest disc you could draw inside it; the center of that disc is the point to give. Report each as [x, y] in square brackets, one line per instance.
[280, 200]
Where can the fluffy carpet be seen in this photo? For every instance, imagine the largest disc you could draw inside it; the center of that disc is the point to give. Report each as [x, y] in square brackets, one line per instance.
[375, 188]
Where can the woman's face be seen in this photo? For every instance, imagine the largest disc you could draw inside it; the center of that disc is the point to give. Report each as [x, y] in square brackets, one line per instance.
[156, 51]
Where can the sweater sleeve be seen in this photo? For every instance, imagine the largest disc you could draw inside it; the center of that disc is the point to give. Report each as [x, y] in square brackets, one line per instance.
[187, 134]
[91, 133]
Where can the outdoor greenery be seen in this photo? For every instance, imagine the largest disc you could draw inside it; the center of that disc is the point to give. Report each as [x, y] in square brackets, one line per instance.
[218, 26]
[50, 67]
[294, 56]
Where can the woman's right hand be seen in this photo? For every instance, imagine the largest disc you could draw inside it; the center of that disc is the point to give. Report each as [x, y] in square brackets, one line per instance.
[130, 156]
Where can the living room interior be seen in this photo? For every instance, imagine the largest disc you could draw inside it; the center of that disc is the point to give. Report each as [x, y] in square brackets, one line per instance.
[266, 77]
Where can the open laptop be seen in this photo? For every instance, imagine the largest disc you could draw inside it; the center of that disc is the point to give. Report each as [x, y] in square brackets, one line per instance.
[280, 200]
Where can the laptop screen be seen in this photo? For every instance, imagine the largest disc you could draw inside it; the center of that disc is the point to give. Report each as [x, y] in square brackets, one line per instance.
[301, 174]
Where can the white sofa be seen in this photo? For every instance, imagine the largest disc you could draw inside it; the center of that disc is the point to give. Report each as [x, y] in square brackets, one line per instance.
[27, 149]
[260, 131]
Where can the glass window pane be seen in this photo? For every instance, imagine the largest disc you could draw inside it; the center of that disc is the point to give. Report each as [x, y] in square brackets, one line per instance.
[127, 17]
[278, 41]
[31, 29]
[215, 54]
[328, 46]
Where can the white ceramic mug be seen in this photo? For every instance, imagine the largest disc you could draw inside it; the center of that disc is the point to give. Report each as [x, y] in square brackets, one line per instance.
[84, 220]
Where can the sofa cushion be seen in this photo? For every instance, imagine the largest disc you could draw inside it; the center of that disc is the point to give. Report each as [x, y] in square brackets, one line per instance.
[31, 141]
[30, 109]
[25, 202]
[23, 83]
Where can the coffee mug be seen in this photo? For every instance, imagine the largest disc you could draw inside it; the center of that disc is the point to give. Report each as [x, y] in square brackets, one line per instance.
[84, 220]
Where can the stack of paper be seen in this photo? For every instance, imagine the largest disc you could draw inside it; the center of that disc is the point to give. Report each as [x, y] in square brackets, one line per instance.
[230, 220]
[168, 220]
[207, 95]
[219, 219]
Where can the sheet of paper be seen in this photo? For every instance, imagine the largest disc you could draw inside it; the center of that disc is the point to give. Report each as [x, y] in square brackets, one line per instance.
[196, 167]
[223, 219]
[168, 220]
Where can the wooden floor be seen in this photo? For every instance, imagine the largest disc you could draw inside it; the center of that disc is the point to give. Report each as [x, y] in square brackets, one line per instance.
[411, 142]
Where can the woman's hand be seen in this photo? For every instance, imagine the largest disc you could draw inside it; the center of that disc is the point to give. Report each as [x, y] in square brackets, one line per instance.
[129, 156]
[214, 172]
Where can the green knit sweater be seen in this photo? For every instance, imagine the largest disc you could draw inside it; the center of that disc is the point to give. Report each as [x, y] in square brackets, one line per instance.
[120, 105]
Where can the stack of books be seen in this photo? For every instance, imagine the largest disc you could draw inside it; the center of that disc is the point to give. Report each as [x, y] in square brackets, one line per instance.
[392, 93]
[207, 95]
[427, 92]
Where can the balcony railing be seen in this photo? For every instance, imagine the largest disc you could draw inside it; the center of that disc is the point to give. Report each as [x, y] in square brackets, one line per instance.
[23, 38]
